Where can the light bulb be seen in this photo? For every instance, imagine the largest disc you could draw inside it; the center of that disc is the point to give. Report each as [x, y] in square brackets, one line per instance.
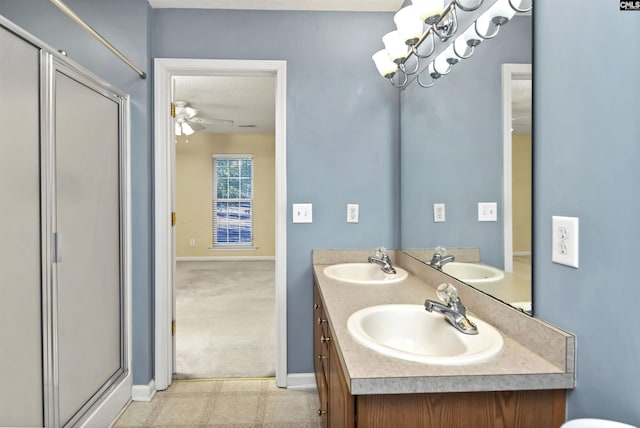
[186, 129]
[498, 14]
[441, 65]
[409, 24]
[429, 10]
[395, 46]
[385, 66]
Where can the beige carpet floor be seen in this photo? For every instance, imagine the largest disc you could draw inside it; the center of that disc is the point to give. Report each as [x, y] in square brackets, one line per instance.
[225, 316]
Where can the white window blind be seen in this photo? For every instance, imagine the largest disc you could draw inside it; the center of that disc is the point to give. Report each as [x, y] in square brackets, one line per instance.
[232, 207]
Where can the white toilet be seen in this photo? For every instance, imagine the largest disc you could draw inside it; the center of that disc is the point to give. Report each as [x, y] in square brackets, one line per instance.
[595, 423]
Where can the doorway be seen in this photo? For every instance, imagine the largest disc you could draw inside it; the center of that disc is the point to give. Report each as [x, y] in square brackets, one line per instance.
[225, 226]
[165, 269]
[517, 120]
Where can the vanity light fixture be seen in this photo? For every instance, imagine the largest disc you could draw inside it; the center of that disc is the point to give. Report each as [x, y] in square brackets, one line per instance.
[426, 19]
[496, 16]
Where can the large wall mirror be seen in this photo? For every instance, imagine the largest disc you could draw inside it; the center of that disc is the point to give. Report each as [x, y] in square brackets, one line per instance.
[464, 141]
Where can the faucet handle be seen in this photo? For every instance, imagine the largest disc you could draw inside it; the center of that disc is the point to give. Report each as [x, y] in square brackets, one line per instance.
[447, 293]
[381, 252]
[441, 250]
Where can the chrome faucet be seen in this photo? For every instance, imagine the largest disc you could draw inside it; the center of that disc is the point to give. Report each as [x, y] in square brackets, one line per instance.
[382, 258]
[440, 258]
[453, 310]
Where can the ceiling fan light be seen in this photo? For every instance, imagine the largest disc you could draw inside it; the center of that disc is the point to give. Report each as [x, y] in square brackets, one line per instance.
[178, 128]
[186, 129]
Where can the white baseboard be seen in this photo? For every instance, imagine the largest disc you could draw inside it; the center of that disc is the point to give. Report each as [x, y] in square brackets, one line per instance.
[304, 381]
[223, 258]
[106, 412]
[143, 392]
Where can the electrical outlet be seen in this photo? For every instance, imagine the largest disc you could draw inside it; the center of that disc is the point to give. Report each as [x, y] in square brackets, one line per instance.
[565, 240]
[302, 213]
[438, 213]
[352, 213]
[487, 211]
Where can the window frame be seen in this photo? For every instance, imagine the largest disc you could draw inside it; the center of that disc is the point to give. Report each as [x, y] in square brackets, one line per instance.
[215, 245]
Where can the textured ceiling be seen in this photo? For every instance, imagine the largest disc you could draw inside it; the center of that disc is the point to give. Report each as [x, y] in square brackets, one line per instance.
[336, 5]
[244, 100]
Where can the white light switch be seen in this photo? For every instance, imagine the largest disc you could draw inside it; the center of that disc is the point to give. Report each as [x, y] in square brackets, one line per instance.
[438, 213]
[352, 213]
[302, 213]
[565, 240]
[487, 211]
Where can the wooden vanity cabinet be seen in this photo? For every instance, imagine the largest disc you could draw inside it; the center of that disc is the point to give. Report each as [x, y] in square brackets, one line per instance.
[490, 409]
[337, 407]
[320, 354]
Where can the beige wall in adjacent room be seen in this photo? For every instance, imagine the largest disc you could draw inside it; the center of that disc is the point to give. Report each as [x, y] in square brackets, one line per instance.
[194, 183]
[522, 192]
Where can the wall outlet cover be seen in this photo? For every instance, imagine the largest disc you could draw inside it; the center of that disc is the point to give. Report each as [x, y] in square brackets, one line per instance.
[353, 211]
[439, 215]
[565, 240]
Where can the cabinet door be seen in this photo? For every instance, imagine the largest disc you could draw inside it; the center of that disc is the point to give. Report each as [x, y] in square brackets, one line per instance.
[320, 355]
[21, 401]
[89, 280]
[341, 402]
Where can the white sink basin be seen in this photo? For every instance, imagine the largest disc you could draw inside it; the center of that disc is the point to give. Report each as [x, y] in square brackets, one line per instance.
[473, 273]
[364, 273]
[411, 333]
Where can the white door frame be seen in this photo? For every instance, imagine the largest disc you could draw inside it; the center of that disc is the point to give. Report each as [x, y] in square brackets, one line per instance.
[509, 72]
[164, 70]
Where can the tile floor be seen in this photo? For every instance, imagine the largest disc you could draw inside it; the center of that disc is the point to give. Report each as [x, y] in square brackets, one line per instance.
[225, 403]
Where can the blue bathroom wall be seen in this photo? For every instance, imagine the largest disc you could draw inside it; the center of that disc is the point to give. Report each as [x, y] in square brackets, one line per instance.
[125, 23]
[452, 148]
[586, 165]
[342, 128]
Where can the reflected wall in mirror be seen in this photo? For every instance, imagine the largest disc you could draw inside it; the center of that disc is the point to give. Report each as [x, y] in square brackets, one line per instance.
[456, 151]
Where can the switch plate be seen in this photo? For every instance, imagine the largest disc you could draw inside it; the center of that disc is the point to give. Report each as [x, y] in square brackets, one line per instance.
[487, 211]
[302, 213]
[352, 213]
[439, 213]
[192, 242]
[565, 240]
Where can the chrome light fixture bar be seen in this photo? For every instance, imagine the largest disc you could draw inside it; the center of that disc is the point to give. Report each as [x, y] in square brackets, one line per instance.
[441, 24]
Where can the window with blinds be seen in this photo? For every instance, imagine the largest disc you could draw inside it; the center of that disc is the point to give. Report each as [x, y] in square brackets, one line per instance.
[232, 207]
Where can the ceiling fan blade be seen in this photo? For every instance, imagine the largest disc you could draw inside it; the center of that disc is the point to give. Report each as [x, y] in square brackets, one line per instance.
[196, 126]
[190, 112]
[211, 120]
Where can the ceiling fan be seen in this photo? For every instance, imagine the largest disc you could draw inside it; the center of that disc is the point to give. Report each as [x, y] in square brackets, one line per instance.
[187, 120]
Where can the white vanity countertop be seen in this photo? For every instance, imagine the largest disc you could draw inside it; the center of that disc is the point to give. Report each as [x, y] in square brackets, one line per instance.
[517, 367]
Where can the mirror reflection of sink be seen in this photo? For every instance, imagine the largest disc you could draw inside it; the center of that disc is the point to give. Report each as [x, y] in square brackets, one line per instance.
[411, 333]
[364, 273]
[473, 273]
